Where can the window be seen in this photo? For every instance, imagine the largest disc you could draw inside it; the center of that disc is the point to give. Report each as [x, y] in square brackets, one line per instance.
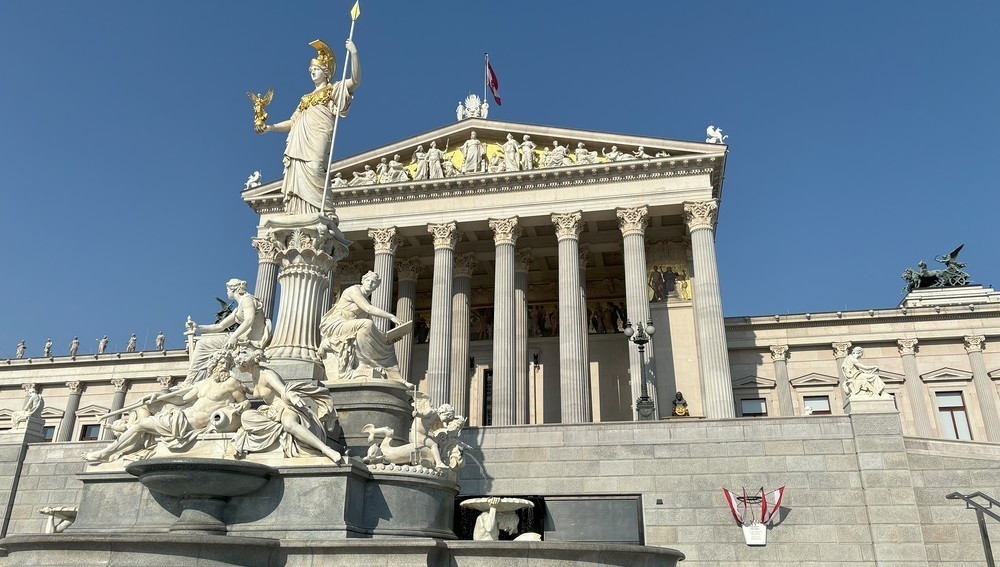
[90, 432]
[816, 405]
[753, 407]
[951, 412]
[48, 433]
[487, 397]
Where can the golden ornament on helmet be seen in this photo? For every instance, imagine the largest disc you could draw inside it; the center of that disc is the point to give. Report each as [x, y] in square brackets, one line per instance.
[324, 56]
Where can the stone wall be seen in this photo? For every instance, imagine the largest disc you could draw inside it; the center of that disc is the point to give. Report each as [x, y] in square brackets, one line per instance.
[48, 478]
[950, 531]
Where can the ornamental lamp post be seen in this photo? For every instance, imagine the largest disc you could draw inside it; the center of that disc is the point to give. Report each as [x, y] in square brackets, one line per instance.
[644, 406]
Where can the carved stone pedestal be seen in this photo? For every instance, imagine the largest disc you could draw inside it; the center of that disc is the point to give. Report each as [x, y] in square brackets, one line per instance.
[308, 248]
[870, 405]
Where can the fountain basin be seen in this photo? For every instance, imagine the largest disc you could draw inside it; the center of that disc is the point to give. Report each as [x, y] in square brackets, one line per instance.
[202, 485]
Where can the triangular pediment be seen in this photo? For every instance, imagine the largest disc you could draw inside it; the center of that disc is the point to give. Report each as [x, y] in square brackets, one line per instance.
[51, 413]
[947, 375]
[91, 410]
[814, 379]
[599, 152]
[995, 374]
[753, 382]
[891, 377]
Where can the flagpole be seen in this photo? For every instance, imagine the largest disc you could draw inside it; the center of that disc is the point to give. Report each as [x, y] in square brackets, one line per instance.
[336, 115]
[486, 75]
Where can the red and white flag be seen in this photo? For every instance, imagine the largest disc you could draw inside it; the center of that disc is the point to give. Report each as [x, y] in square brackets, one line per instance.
[491, 81]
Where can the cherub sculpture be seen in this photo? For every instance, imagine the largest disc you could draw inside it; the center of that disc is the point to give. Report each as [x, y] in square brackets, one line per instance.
[433, 438]
[715, 135]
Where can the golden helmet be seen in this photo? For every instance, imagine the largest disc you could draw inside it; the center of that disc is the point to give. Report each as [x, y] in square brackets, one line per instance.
[324, 56]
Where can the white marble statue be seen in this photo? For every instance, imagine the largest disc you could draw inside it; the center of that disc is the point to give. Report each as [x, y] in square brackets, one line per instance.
[715, 135]
[473, 152]
[33, 406]
[161, 341]
[130, 347]
[102, 344]
[382, 171]
[557, 157]
[60, 518]
[527, 153]
[252, 327]
[662, 153]
[420, 159]
[498, 514]
[460, 111]
[310, 130]
[338, 180]
[585, 156]
[350, 336]
[19, 352]
[861, 380]
[183, 413]
[484, 109]
[252, 181]
[47, 349]
[433, 438]
[641, 153]
[511, 155]
[449, 168]
[496, 164]
[74, 346]
[366, 177]
[434, 157]
[397, 171]
[473, 108]
[293, 417]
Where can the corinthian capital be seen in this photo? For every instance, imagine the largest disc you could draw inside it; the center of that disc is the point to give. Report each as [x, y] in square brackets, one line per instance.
[841, 349]
[408, 269]
[120, 384]
[75, 386]
[633, 221]
[464, 265]
[445, 235]
[385, 239]
[907, 346]
[505, 231]
[349, 273]
[522, 260]
[267, 251]
[974, 343]
[779, 352]
[568, 225]
[701, 215]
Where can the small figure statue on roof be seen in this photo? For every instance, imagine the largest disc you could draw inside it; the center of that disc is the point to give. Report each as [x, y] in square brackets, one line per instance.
[19, 353]
[951, 276]
[641, 153]
[366, 177]
[527, 153]
[715, 135]
[102, 344]
[74, 346]
[130, 346]
[473, 108]
[47, 349]
[160, 341]
[252, 181]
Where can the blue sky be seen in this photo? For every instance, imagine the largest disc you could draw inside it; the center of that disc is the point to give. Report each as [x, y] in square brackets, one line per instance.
[863, 135]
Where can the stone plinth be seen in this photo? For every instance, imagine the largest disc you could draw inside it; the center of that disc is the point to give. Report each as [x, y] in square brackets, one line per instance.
[944, 296]
[870, 405]
[308, 247]
[383, 403]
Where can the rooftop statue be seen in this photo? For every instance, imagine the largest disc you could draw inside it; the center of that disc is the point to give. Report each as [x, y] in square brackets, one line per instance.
[47, 349]
[251, 327]
[184, 413]
[351, 337]
[397, 171]
[310, 130]
[715, 135]
[951, 276]
[861, 380]
[19, 353]
[130, 347]
[161, 340]
[511, 154]
[252, 181]
[434, 157]
[433, 438]
[528, 153]
[473, 108]
[473, 152]
[74, 346]
[102, 344]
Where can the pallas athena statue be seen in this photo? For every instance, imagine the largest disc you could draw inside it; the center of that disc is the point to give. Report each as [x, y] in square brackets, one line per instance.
[310, 130]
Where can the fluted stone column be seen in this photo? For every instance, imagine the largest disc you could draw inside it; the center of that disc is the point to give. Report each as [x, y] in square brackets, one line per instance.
[583, 260]
[309, 247]
[632, 223]
[779, 354]
[915, 387]
[439, 347]
[117, 403]
[408, 270]
[713, 354]
[386, 241]
[522, 264]
[989, 404]
[505, 234]
[574, 379]
[72, 405]
[267, 274]
[461, 303]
